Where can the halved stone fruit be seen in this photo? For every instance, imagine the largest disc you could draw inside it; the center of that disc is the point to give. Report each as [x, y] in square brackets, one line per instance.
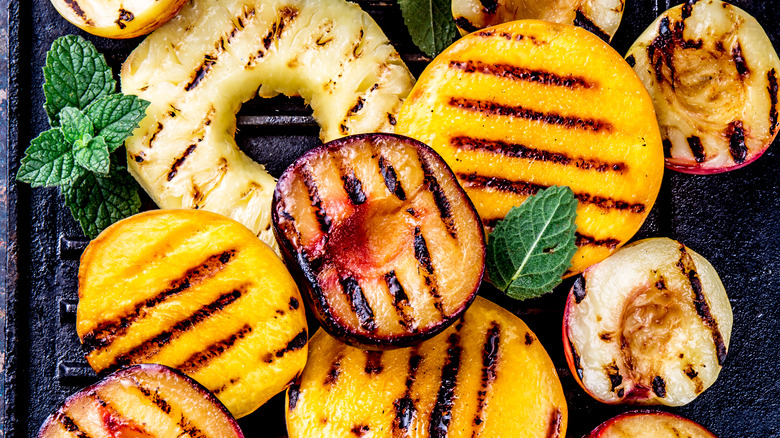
[649, 424]
[649, 325]
[386, 242]
[713, 76]
[142, 401]
[198, 292]
[118, 18]
[526, 105]
[485, 376]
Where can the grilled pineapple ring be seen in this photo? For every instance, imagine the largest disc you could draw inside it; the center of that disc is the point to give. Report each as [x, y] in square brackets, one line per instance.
[201, 66]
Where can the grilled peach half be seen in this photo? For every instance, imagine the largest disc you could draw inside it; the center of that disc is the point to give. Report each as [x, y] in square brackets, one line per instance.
[386, 242]
[142, 401]
[648, 325]
[649, 424]
[198, 292]
[485, 376]
[118, 18]
[526, 105]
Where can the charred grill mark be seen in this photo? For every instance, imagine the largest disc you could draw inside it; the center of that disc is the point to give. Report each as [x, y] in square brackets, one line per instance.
[391, 179]
[357, 107]
[105, 333]
[556, 419]
[294, 393]
[230, 382]
[576, 359]
[739, 61]
[771, 77]
[154, 135]
[360, 430]
[359, 304]
[667, 145]
[489, 365]
[80, 12]
[465, 24]
[424, 261]
[125, 16]
[489, 6]
[687, 9]
[404, 406]
[293, 303]
[335, 370]
[659, 386]
[631, 61]
[179, 161]
[153, 396]
[661, 50]
[441, 415]
[605, 336]
[314, 196]
[551, 118]
[201, 72]
[373, 362]
[309, 271]
[439, 197]
[354, 188]
[586, 23]
[579, 289]
[584, 239]
[151, 347]
[529, 339]
[688, 268]
[514, 72]
[400, 300]
[70, 425]
[515, 150]
[202, 358]
[694, 376]
[295, 344]
[286, 16]
[737, 146]
[474, 181]
[615, 378]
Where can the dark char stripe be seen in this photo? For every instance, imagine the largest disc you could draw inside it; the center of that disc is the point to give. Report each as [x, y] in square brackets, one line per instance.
[556, 419]
[391, 179]
[295, 344]
[201, 72]
[73, 4]
[667, 145]
[586, 23]
[294, 393]
[152, 346]
[493, 108]
[441, 416]
[474, 181]
[179, 161]
[584, 239]
[309, 271]
[490, 6]
[229, 383]
[465, 24]
[515, 150]
[373, 362]
[424, 261]
[659, 386]
[489, 365]
[615, 378]
[105, 333]
[631, 60]
[737, 146]
[335, 370]
[359, 303]
[404, 406]
[579, 289]
[576, 359]
[697, 148]
[70, 425]
[400, 300]
[202, 358]
[688, 269]
[354, 188]
[514, 72]
[153, 396]
[439, 197]
[739, 61]
[771, 77]
[314, 197]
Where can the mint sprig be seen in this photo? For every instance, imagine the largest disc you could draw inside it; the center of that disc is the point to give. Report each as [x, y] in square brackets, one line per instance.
[90, 121]
[532, 247]
[430, 24]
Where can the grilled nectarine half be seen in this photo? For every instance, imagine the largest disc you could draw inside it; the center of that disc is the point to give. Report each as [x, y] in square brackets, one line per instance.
[649, 424]
[648, 325]
[386, 242]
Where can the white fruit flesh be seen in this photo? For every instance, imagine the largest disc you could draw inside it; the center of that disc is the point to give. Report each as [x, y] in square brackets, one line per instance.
[651, 324]
[118, 18]
[601, 17]
[199, 68]
[713, 76]
[650, 425]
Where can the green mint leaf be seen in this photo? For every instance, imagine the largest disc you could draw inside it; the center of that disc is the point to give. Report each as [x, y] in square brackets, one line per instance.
[532, 247]
[75, 125]
[76, 74]
[92, 154]
[48, 161]
[98, 201]
[430, 24]
[116, 116]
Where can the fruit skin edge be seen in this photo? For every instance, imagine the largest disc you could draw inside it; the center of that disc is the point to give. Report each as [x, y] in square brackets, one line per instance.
[608, 423]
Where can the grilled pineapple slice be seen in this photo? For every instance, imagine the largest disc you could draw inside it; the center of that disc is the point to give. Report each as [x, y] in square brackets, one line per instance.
[713, 76]
[199, 68]
[198, 292]
[602, 17]
[118, 18]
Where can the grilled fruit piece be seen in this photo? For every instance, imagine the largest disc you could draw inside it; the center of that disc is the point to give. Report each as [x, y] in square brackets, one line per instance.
[602, 17]
[649, 424]
[118, 18]
[713, 75]
[143, 401]
[198, 69]
[388, 245]
[650, 324]
[527, 105]
[486, 376]
[196, 291]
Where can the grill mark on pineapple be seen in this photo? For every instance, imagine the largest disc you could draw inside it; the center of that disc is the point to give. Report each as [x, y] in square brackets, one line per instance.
[391, 179]
[153, 346]
[439, 197]
[125, 16]
[517, 111]
[179, 161]
[515, 72]
[688, 268]
[404, 406]
[400, 301]
[73, 4]
[202, 358]
[441, 415]
[489, 366]
[426, 266]
[154, 135]
[586, 23]
[771, 77]
[70, 425]
[106, 332]
[515, 150]
[737, 146]
[556, 420]
[373, 362]
[201, 72]
[314, 197]
[359, 304]
[525, 188]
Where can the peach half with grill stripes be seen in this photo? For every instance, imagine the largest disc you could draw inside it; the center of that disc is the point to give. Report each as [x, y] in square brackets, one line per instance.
[649, 424]
[386, 243]
[713, 75]
[196, 291]
[142, 401]
[526, 105]
[649, 325]
[485, 376]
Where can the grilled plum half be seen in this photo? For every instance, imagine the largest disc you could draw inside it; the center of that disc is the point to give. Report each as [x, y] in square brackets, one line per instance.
[486, 376]
[389, 246]
[142, 401]
[649, 424]
[648, 325]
